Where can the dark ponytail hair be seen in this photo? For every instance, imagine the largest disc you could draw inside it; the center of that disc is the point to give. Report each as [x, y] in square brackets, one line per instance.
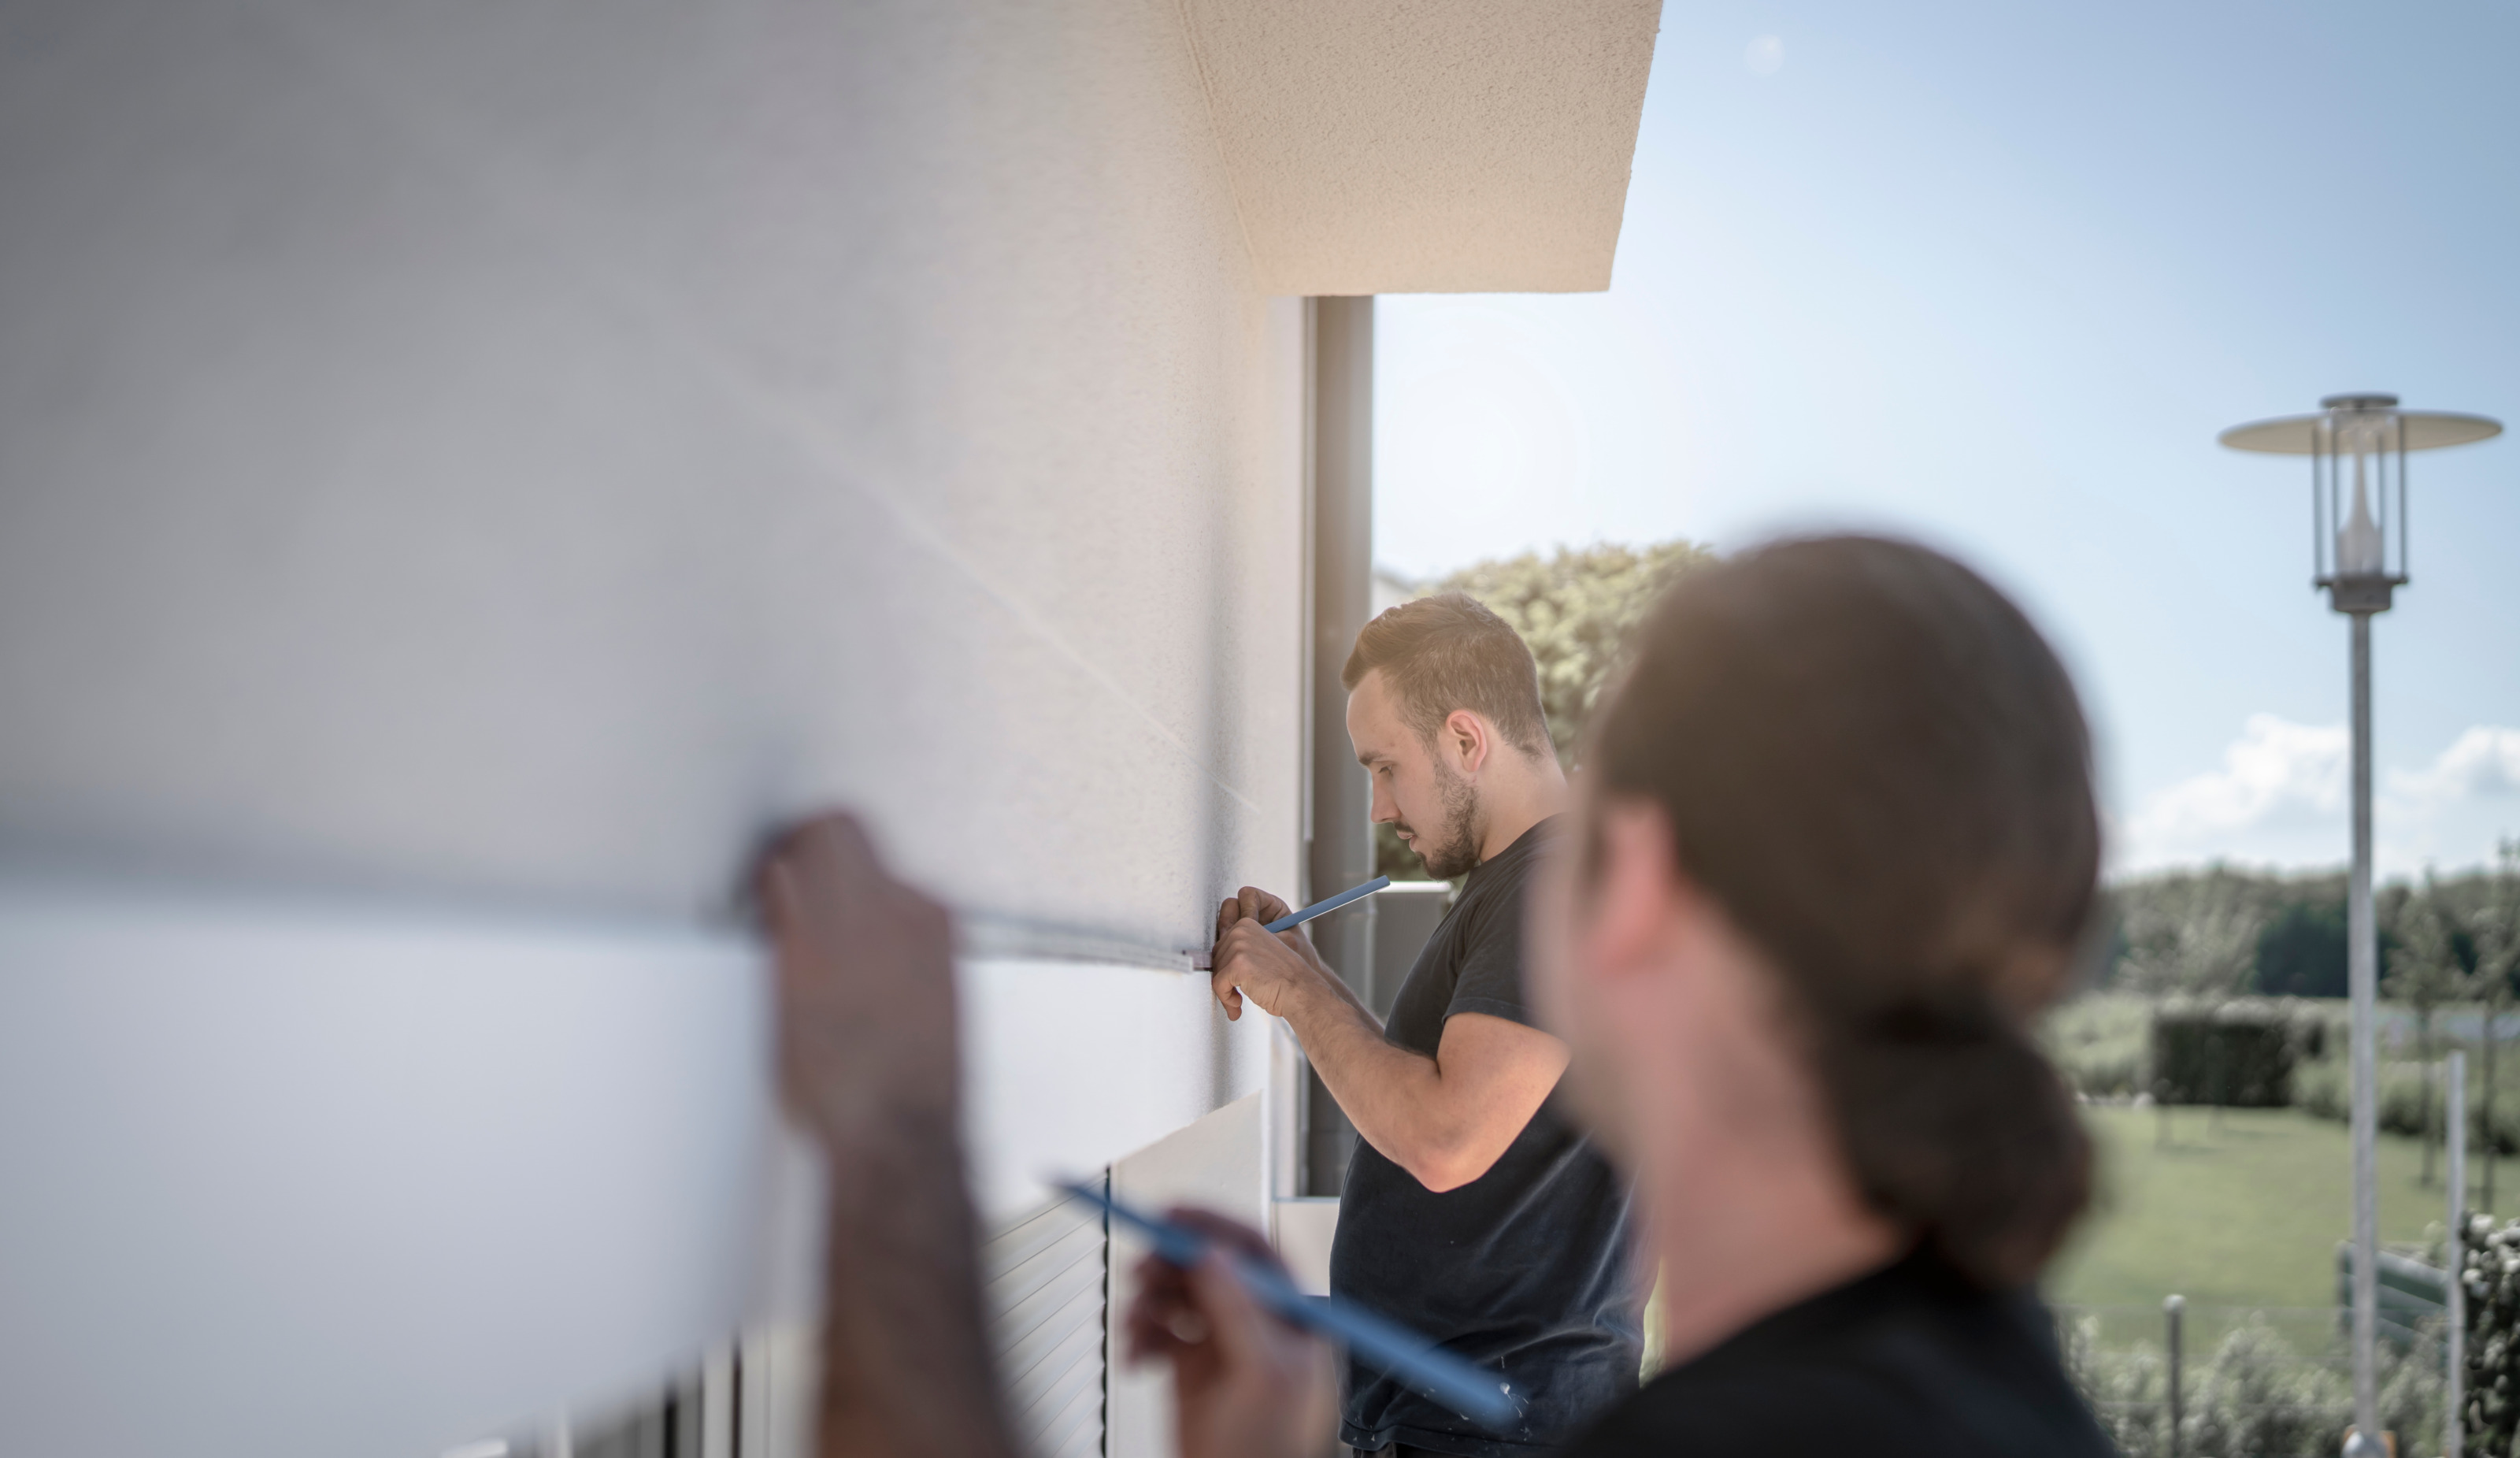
[1879, 769]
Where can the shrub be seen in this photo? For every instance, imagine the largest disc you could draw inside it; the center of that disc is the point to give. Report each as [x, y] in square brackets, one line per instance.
[2413, 1387]
[2239, 1060]
[2492, 1271]
[2257, 1396]
[2126, 1387]
[2098, 1041]
[2324, 1088]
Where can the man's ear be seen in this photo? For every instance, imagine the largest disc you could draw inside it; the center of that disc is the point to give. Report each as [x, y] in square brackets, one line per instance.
[1638, 892]
[1467, 735]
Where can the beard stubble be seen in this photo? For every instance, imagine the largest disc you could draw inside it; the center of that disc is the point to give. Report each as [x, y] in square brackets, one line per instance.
[1454, 850]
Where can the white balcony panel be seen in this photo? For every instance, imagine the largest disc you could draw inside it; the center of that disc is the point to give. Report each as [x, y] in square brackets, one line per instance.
[289, 1179]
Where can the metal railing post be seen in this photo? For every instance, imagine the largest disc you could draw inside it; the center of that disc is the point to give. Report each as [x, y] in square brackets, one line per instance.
[2172, 1311]
[2453, 1257]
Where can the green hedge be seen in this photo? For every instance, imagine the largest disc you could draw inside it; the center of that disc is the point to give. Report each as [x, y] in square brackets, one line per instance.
[2103, 1042]
[2324, 1088]
[2236, 1061]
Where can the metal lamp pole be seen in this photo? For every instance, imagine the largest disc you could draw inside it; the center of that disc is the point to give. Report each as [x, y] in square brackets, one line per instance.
[2361, 983]
[2454, 1256]
[2359, 553]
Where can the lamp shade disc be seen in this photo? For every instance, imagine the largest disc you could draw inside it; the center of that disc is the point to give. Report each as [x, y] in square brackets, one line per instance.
[2298, 435]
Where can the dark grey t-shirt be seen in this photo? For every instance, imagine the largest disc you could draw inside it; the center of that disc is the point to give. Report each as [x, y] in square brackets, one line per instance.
[1526, 1268]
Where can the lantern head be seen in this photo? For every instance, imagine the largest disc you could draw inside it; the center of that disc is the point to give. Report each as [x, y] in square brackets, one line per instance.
[2358, 446]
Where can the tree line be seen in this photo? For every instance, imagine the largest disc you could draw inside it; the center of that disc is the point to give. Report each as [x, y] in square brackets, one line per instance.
[2213, 933]
[2225, 933]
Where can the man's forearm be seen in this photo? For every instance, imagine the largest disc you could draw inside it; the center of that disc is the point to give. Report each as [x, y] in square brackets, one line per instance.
[1390, 1094]
[906, 1370]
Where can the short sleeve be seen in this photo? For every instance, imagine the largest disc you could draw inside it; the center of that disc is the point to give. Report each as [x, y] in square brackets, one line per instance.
[1491, 973]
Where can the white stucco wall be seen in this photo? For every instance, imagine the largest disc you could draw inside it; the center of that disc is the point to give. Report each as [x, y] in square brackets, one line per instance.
[491, 462]
[514, 452]
[305, 1179]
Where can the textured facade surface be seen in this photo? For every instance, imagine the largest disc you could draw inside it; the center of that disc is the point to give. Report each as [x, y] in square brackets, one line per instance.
[514, 453]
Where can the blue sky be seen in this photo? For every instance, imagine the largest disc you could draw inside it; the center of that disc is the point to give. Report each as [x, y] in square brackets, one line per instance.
[1994, 275]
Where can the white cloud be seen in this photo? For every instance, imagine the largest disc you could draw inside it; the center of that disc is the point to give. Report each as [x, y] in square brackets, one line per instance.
[2279, 798]
[1765, 55]
[2484, 761]
[2273, 767]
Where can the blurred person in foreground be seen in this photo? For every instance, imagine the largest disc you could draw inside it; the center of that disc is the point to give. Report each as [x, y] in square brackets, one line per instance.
[1835, 846]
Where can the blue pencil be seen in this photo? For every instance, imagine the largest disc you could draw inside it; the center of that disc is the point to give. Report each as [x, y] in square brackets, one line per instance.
[1467, 1389]
[1293, 919]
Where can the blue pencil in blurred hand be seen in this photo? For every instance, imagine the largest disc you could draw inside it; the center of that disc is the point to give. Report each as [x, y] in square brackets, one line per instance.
[1469, 1391]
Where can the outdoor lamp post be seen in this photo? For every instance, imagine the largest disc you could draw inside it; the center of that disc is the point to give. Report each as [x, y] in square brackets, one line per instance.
[2359, 554]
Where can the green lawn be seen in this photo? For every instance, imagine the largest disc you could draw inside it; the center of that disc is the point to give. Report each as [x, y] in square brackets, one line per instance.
[2243, 1211]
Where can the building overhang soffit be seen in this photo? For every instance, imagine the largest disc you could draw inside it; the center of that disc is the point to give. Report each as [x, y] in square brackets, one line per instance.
[1400, 145]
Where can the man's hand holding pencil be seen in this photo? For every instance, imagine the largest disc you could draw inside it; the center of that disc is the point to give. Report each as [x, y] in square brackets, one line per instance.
[1260, 955]
[1253, 963]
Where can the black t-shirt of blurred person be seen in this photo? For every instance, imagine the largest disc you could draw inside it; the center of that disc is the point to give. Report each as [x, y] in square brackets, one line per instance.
[1525, 1270]
[1911, 1361]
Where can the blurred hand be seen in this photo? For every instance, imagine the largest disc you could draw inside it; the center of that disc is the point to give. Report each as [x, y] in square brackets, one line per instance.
[1249, 961]
[867, 1062]
[865, 986]
[1245, 1385]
